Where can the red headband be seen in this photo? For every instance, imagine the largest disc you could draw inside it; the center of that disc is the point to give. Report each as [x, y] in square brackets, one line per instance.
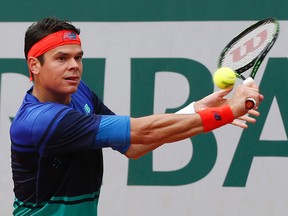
[52, 41]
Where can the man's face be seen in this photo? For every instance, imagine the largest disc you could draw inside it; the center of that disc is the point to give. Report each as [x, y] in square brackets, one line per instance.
[60, 74]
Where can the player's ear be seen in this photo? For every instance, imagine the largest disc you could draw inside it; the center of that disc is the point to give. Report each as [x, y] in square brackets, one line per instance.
[33, 65]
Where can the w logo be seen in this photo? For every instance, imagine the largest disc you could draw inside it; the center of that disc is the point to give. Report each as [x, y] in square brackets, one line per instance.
[249, 46]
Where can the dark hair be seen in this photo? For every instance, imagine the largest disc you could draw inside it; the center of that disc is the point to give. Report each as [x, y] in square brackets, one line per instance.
[42, 28]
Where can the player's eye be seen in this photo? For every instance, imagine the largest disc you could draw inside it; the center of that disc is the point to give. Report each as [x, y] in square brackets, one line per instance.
[78, 58]
[61, 59]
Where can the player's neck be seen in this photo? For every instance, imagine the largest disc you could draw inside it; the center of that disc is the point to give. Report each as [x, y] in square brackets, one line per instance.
[45, 96]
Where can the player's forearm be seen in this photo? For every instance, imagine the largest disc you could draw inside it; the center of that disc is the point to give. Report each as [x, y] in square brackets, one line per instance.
[148, 133]
[138, 150]
[159, 129]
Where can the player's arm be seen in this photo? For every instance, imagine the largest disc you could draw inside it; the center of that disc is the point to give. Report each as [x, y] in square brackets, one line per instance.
[148, 133]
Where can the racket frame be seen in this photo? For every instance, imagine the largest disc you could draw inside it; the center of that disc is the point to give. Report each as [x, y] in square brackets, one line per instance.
[257, 61]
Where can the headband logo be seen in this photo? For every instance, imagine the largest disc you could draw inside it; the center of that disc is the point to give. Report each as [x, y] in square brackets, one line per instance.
[69, 36]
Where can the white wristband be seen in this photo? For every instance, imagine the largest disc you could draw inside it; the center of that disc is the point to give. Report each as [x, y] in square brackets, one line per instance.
[187, 110]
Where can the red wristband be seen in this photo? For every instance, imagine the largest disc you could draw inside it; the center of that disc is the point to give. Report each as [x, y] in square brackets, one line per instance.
[216, 117]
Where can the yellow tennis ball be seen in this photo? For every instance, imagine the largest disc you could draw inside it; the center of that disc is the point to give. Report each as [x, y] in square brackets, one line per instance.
[224, 78]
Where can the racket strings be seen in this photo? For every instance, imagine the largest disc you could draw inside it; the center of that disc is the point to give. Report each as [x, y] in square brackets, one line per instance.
[245, 50]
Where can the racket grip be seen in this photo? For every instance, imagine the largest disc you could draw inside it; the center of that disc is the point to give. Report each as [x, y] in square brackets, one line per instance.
[250, 102]
[248, 80]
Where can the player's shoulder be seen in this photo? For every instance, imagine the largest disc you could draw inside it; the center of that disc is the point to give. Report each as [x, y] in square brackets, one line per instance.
[33, 119]
[42, 109]
[32, 110]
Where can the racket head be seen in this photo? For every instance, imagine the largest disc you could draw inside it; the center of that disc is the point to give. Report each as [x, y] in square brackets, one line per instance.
[250, 47]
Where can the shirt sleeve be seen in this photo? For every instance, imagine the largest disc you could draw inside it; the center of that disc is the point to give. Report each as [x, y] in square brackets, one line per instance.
[114, 131]
[51, 129]
[76, 132]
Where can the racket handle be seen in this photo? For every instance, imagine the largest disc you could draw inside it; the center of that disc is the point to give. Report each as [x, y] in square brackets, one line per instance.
[250, 102]
[248, 80]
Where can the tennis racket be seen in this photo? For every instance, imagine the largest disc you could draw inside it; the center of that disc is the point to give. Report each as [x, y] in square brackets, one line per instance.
[249, 49]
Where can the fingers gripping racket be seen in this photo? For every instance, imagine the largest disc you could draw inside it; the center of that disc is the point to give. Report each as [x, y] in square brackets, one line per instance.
[249, 49]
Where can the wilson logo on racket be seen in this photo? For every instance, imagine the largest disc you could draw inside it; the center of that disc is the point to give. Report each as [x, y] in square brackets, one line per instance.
[249, 46]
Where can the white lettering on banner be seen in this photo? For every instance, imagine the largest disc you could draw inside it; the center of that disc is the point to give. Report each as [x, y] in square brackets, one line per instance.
[168, 96]
[274, 118]
[118, 43]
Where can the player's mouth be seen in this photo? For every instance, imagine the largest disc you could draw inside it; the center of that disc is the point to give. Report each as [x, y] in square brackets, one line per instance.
[72, 79]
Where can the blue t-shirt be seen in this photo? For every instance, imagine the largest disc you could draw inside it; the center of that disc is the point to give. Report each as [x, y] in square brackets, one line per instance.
[56, 153]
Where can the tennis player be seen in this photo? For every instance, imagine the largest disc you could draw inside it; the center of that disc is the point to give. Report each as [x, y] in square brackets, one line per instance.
[61, 127]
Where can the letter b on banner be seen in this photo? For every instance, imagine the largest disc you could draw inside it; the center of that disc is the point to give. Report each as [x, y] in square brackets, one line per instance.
[143, 72]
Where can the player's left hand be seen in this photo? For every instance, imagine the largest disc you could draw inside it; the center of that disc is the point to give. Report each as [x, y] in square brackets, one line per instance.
[241, 121]
[215, 99]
